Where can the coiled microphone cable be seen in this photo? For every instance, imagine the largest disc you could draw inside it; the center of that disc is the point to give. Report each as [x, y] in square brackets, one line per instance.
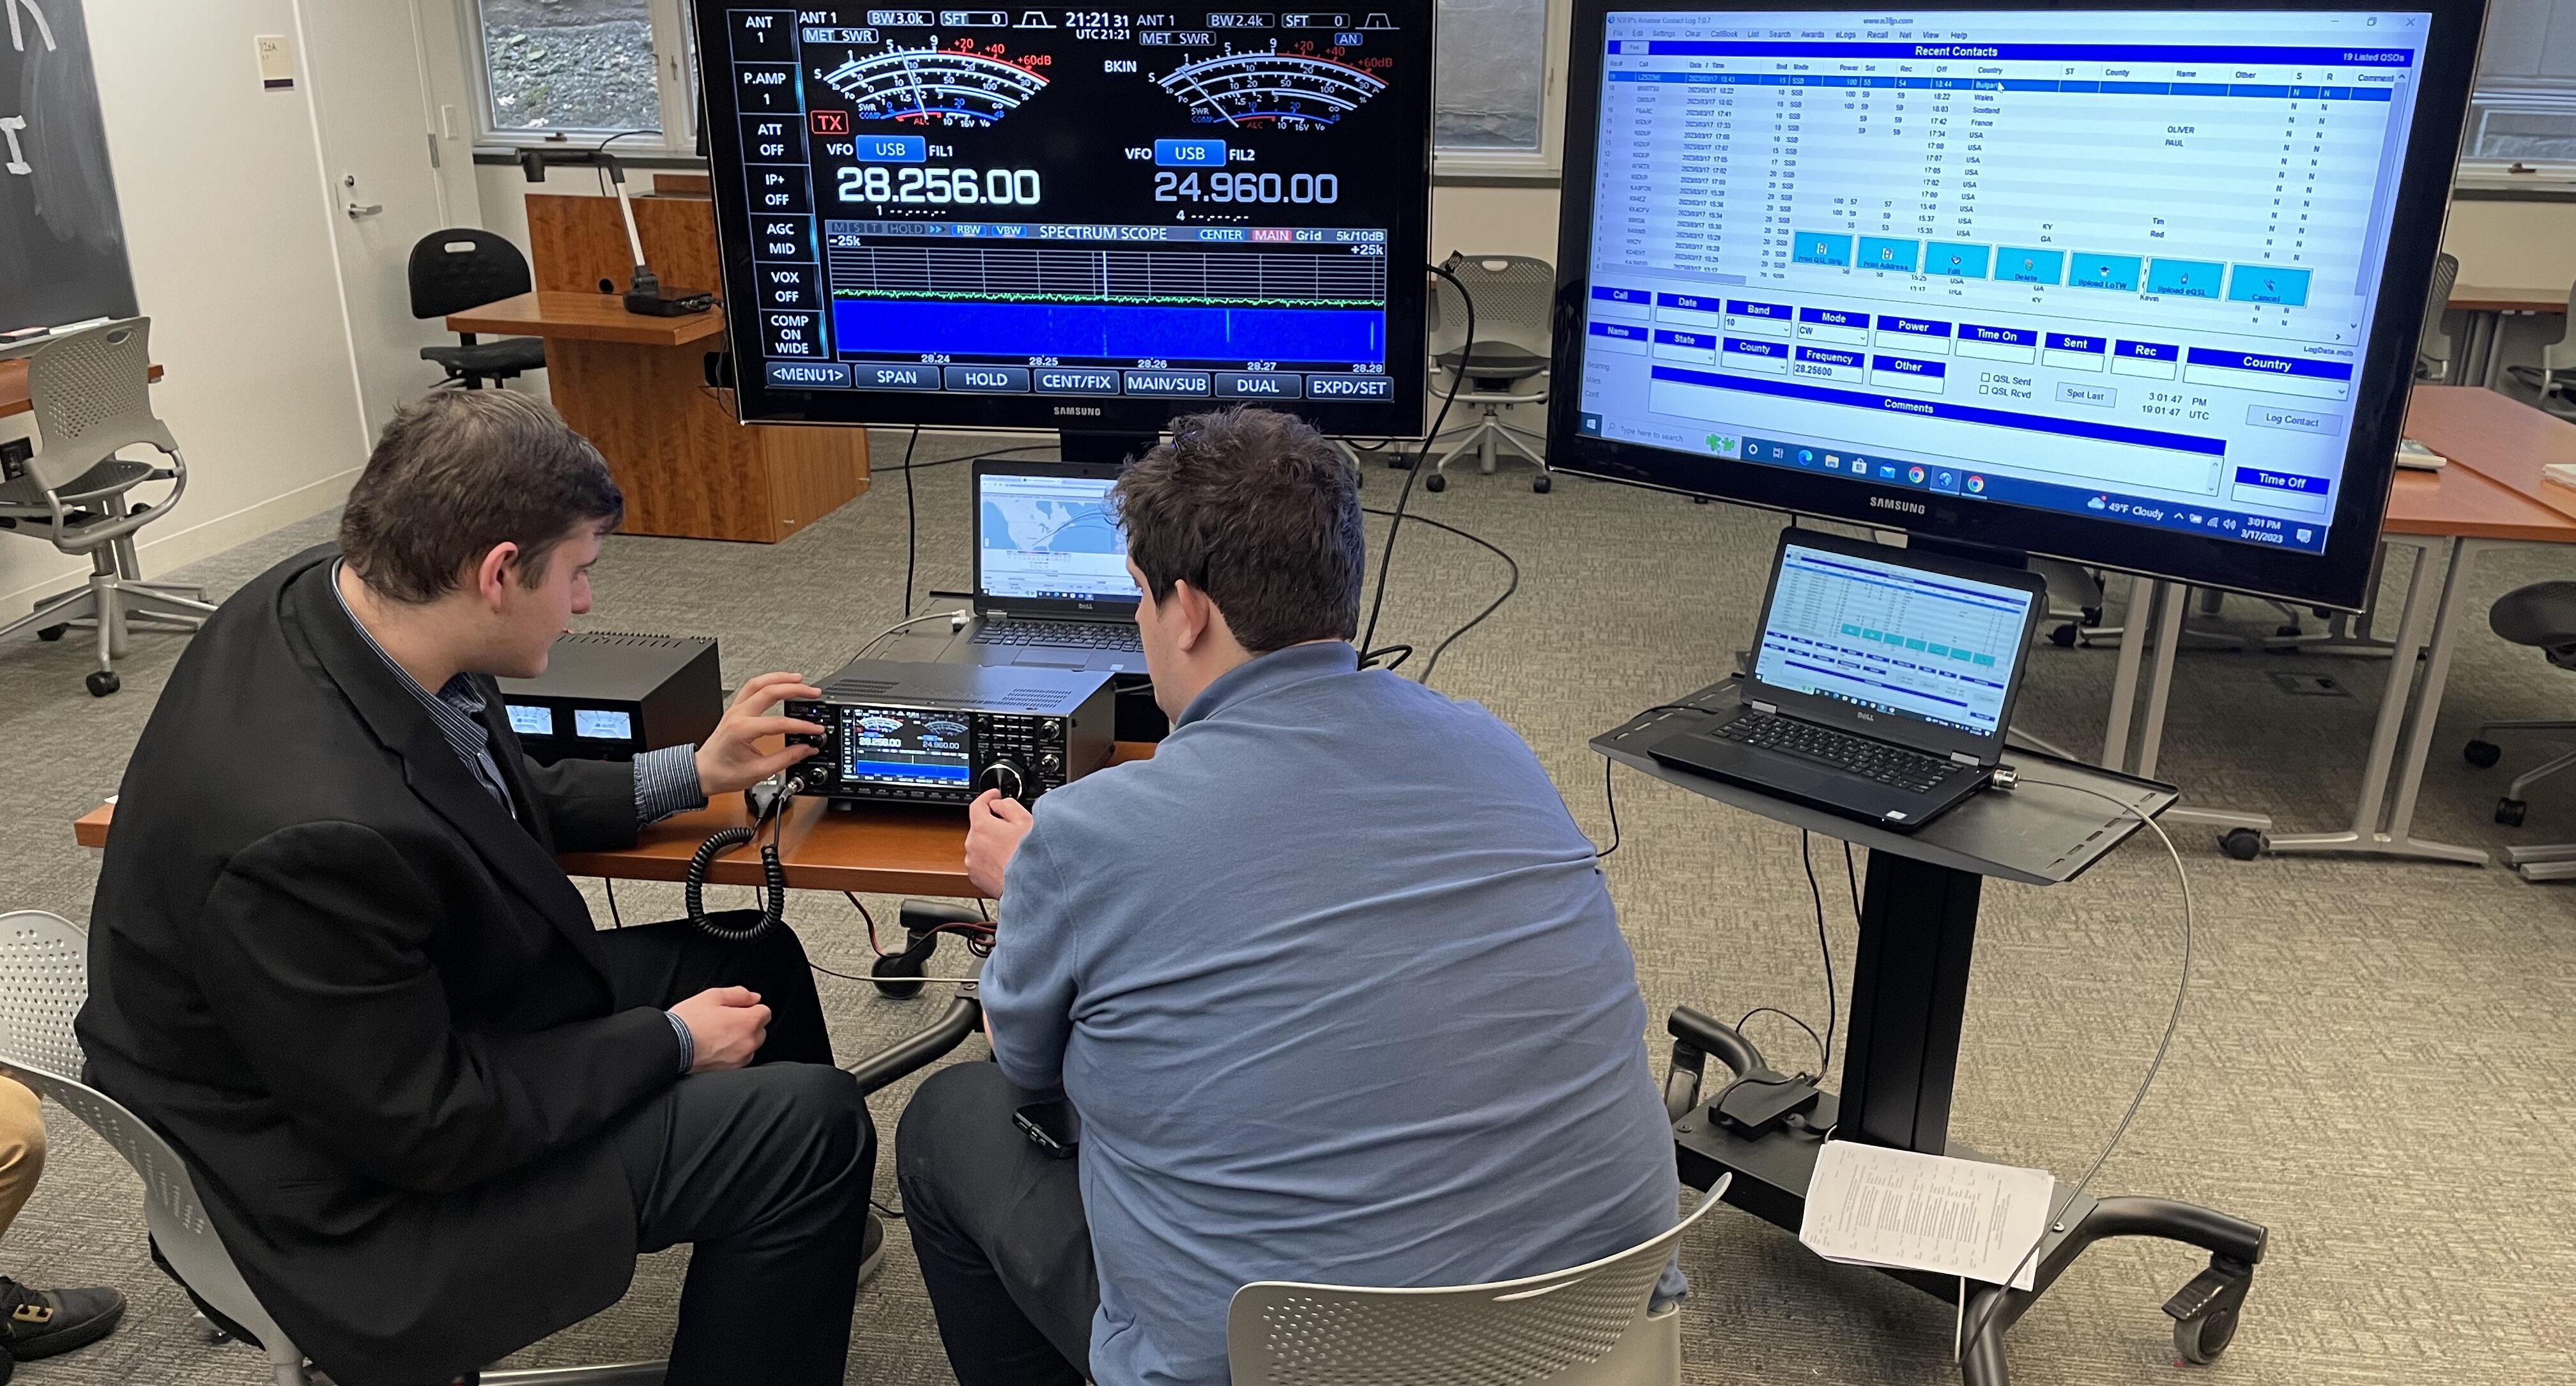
[773, 873]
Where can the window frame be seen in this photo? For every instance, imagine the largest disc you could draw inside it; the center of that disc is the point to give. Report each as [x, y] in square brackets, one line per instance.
[672, 84]
[1540, 165]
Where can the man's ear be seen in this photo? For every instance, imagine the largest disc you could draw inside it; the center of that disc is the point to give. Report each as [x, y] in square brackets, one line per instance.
[1187, 612]
[495, 572]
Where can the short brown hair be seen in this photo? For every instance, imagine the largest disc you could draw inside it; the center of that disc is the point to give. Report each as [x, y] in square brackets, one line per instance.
[461, 471]
[1255, 509]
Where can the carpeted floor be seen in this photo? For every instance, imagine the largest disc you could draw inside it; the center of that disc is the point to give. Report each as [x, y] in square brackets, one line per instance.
[2375, 1062]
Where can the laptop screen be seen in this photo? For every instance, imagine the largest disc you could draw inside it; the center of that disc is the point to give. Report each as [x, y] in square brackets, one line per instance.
[1050, 537]
[1893, 639]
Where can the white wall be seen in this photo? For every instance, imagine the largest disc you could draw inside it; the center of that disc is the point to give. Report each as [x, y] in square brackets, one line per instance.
[226, 215]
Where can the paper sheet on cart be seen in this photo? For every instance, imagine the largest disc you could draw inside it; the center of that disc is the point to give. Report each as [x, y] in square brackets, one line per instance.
[1872, 1206]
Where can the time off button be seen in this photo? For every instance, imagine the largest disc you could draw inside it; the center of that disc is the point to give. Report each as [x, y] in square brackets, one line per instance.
[988, 380]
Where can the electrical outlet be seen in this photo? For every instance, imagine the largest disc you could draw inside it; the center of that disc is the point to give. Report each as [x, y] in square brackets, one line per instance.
[14, 456]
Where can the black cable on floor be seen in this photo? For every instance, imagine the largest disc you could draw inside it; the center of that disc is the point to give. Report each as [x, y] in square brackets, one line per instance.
[1457, 379]
[1509, 587]
[611, 883]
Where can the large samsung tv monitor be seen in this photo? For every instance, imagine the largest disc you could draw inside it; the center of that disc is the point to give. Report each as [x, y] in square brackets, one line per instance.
[1072, 219]
[2134, 285]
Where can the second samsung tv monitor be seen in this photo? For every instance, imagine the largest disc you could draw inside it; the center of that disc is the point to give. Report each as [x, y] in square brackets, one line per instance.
[2132, 285]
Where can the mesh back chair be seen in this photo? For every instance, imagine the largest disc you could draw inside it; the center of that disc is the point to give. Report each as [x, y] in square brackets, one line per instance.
[1507, 364]
[44, 978]
[2433, 347]
[2556, 359]
[91, 391]
[463, 268]
[1593, 1325]
[2543, 616]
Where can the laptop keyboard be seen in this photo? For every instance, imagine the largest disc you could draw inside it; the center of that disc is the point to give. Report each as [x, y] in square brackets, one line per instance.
[1870, 759]
[1081, 635]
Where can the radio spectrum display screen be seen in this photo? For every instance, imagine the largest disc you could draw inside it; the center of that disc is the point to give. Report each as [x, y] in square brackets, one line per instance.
[903, 746]
[1073, 218]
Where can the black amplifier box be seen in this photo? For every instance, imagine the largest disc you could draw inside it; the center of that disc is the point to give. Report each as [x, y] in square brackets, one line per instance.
[606, 695]
[908, 731]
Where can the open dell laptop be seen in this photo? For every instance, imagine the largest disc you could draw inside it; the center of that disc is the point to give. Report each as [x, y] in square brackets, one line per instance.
[1051, 583]
[1883, 683]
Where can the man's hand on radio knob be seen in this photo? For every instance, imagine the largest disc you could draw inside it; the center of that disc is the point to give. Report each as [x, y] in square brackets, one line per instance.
[730, 761]
[995, 823]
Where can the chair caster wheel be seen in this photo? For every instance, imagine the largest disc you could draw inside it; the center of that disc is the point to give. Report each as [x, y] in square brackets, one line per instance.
[2063, 637]
[2244, 844]
[2509, 812]
[51, 633]
[1435, 482]
[1542, 483]
[2200, 1340]
[2482, 754]
[2287, 629]
[103, 683]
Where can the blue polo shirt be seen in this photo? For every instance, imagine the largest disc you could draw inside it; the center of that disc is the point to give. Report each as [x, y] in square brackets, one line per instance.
[1337, 987]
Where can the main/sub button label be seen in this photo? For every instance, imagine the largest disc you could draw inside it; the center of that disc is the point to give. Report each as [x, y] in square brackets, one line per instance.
[1169, 384]
[1064, 380]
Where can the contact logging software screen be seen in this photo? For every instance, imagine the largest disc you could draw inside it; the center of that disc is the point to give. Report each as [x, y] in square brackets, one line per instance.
[2116, 263]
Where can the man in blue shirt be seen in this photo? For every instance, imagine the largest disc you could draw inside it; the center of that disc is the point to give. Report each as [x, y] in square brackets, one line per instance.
[1333, 980]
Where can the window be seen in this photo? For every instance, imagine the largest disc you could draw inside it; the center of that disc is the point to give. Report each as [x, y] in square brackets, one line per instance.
[1500, 91]
[2524, 109]
[584, 68]
[591, 68]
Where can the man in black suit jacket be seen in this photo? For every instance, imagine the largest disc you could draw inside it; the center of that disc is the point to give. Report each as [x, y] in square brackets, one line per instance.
[434, 1113]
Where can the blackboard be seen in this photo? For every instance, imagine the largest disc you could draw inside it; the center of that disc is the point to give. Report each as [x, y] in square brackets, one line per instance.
[62, 248]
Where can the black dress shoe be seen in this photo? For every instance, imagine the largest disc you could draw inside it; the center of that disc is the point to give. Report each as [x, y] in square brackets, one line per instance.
[40, 1323]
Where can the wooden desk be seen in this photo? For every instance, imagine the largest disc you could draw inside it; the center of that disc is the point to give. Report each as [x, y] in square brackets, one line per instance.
[13, 387]
[2480, 356]
[883, 850]
[2499, 438]
[2472, 504]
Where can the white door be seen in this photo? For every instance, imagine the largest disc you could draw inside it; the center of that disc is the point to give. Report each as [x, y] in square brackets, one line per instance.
[364, 60]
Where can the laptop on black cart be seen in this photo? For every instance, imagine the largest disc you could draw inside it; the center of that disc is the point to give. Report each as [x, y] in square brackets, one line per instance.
[1051, 583]
[1882, 685]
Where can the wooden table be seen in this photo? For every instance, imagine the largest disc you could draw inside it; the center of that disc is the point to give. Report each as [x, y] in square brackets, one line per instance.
[2480, 500]
[880, 849]
[2487, 308]
[2499, 438]
[13, 387]
[636, 387]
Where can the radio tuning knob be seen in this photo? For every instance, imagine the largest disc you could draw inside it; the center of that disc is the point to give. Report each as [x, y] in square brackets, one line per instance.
[1004, 776]
[1050, 764]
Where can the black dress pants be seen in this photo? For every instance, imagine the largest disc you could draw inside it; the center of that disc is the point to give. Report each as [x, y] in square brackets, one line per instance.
[765, 1169]
[999, 1229]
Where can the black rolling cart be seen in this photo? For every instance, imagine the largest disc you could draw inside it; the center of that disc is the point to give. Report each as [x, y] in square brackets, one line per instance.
[1909, 996]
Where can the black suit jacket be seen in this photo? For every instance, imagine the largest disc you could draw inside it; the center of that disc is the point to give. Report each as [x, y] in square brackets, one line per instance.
[364, 1002]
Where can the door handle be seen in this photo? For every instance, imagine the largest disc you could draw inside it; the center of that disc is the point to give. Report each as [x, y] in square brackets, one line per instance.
[365, 209]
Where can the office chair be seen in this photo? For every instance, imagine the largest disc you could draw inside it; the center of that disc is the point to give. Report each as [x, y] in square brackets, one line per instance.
[2433, 346]
[44, 978]
[1514, 299]
[1594, 1325]
[463, 268]
[92, 396]
[2543, 615]
[2556, 358]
